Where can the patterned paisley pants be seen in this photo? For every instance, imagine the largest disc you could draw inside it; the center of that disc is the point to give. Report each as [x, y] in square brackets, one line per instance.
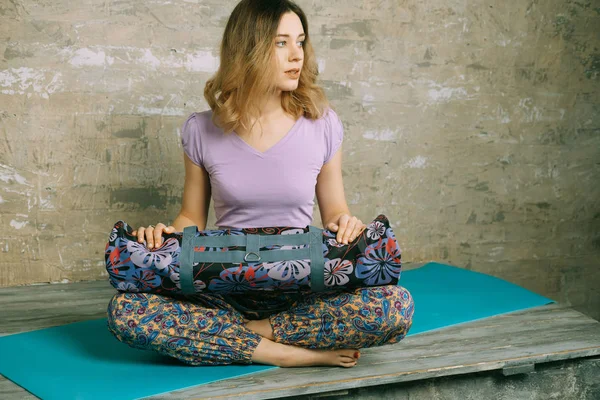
[209, 329]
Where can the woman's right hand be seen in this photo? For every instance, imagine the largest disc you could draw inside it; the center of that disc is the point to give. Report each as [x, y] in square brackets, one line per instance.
[152, 234]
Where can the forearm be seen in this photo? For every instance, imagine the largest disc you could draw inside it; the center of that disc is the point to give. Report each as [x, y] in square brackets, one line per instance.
[182, 221]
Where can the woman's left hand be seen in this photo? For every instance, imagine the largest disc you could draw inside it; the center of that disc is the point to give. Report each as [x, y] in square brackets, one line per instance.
[347, 228]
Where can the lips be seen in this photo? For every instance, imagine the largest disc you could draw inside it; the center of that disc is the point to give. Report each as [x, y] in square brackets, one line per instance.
[292, 71]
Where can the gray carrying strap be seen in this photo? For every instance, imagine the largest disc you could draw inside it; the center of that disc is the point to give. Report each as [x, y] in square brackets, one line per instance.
[186, 260]
[317, 261]
[253, 243]
[252, 249]
[265, 240]
[238, 256]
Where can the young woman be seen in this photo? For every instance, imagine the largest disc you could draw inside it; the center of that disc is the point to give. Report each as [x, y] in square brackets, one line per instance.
[267, 145]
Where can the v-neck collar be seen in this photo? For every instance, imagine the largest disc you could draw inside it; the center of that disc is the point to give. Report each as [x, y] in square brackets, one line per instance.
[280, 142]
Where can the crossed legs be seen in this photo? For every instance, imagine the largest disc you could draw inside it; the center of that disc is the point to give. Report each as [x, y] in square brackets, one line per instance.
[322, 329]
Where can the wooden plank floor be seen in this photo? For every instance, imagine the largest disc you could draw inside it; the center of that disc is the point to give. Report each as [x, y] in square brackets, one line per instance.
[538, 335]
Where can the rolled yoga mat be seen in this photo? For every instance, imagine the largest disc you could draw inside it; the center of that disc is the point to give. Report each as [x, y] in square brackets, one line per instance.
[84, 361]
[234, 261]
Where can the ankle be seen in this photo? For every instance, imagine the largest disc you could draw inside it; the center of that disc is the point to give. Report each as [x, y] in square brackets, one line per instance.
[280, 355]
[290, 356]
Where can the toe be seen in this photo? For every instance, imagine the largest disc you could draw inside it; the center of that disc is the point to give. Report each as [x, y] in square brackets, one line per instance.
[349, 364]
[349, 352]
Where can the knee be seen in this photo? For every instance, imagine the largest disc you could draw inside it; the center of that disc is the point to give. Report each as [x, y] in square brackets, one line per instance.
[396, 306]
[384, 315]
[123, 313]
[402, 301]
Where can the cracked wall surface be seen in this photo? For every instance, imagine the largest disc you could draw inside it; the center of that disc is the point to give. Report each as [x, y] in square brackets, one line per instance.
[474, 126]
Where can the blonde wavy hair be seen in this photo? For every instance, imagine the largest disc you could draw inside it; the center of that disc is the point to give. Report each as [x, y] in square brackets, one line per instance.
[247, 67]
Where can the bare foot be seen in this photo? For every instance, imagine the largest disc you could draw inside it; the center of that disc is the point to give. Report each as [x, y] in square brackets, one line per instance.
[335, 358]
[283, 355]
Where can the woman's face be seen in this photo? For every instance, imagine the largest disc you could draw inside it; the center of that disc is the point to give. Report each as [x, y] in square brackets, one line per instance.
[289, 52]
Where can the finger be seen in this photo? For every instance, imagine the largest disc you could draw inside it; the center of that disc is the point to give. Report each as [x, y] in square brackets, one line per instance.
[343, 223]
[150, 237]
[358, 228]
[158, 230]
[349, 229]
[140, 234]
[169, 229]
[332, 227]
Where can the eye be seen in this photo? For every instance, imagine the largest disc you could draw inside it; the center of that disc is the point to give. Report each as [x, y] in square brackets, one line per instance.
[301, 43]
[279, 43]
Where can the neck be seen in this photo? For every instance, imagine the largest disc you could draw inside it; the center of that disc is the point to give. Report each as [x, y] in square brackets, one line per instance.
[271, 106]
[270, 109]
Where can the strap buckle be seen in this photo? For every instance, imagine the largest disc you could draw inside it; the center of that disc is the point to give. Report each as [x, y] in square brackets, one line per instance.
[258, 258]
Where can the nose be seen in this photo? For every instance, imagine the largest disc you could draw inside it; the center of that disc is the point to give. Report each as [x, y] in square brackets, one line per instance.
[296, 53]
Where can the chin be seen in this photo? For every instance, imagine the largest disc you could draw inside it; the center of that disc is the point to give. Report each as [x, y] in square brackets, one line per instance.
[289, 87]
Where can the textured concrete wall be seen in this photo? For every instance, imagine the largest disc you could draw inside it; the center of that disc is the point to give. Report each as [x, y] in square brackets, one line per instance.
[474, 126]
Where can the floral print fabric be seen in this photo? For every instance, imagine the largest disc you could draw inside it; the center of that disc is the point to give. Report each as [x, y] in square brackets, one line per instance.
[372, 259]
[208, 330]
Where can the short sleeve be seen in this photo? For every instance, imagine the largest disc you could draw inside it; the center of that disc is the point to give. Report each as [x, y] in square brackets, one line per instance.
[334, 134]
[191, 139]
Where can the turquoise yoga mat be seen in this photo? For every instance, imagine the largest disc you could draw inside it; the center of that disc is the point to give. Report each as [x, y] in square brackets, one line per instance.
[84, 361]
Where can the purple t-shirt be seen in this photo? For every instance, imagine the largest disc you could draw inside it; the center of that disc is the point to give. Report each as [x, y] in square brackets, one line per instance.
[251, 189]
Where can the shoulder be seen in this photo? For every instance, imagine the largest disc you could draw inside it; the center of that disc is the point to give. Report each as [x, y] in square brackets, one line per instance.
[198, 120]
[328, 116]
[199, 125]
[330, 123]
[333, 124]
[332, 131]
[196, 133]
